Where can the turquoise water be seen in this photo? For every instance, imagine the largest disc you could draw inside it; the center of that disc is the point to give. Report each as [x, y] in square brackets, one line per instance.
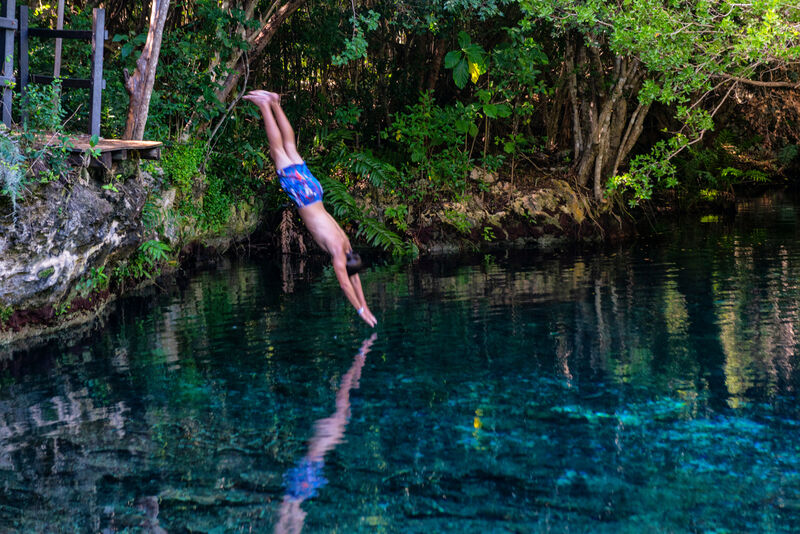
[650, 387]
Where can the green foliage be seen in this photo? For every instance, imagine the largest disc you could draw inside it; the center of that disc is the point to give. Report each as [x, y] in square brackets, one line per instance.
[181, 165]
[788, 154]
[355, 48]
[469, 62]
[458, 220]
[649, 170]
[155, 251]
[216, 203]
[436, 140]
[96, 280]
[92, 151]
[739, 176]
[146, 263]
[12, 173]
[151, 217]
[687, 51]
[375, 232]
[398, 214]
[43, 137]
[5, 314]
[42, 103]
[366, 165]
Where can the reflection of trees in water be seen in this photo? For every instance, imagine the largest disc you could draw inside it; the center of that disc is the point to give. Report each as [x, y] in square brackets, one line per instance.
[667, 319]
[64, 444]
[728, 309]
[759, 325]
[53, 450]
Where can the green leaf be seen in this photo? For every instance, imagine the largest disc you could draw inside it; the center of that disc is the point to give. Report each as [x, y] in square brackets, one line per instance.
[461, 73]
[474, 71]
[503, 110]
[462, 126]
[452, 58]
[476, 53]
[463, 39]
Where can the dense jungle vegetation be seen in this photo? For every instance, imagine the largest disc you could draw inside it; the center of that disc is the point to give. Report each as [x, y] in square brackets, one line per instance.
[396, 102]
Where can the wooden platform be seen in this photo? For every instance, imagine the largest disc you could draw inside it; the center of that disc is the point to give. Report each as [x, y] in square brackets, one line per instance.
[110, 150]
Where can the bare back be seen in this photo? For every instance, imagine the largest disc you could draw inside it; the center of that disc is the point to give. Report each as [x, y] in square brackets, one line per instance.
[324, 229]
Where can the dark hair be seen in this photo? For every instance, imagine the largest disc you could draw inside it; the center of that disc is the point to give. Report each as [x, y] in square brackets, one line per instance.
[354, 263]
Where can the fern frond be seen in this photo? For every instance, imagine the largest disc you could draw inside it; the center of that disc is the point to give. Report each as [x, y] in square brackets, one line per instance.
[366, 165]
[374, 231]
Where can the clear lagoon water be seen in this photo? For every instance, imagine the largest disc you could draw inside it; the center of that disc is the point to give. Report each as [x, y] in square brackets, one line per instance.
[649, 387]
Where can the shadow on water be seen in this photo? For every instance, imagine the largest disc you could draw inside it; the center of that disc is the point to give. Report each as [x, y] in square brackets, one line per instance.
[648, 387]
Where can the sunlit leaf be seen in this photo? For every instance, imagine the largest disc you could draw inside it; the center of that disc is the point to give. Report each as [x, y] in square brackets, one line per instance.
[474, 72]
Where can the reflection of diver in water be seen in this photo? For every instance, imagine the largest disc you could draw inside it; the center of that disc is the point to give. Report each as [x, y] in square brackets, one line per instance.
[303, 481]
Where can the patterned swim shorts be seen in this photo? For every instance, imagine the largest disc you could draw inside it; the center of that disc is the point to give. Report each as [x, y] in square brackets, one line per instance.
[300, 185]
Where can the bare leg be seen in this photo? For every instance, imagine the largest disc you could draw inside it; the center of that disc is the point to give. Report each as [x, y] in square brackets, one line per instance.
[289, 142]
[262, 99]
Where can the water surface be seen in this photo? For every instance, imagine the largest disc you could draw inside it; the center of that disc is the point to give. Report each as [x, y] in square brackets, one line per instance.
[647, 388]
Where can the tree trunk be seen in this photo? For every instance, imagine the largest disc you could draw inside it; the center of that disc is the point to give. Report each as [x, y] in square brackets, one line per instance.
[258, 42]
[140, 84]
[600, 89]
[440, 49]
[238, 65]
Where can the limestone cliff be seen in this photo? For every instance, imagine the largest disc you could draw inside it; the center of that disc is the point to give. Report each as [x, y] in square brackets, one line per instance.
[62, 229]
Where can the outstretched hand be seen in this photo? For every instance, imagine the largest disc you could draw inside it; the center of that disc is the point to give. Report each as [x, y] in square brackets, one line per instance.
[368, 318]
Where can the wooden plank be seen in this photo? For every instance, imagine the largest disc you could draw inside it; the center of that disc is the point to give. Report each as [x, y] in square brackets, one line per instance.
[8, 11]
[59, 41]
[7, 23]
[46, 33]
[96, 99]
[110, 150]
[83, 142]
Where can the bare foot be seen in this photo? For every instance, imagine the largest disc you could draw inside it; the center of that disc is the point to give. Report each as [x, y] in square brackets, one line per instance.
[259, 98]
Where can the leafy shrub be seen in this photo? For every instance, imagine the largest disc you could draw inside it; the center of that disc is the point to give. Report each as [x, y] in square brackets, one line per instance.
[436, 140]
[181, 165]
[12, 175]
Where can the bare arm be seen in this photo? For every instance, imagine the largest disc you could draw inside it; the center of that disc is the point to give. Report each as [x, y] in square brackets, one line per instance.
[340, 268]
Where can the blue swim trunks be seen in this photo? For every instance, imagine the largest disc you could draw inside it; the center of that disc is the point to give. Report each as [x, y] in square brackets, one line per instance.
[303, 481]
[300, 185]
